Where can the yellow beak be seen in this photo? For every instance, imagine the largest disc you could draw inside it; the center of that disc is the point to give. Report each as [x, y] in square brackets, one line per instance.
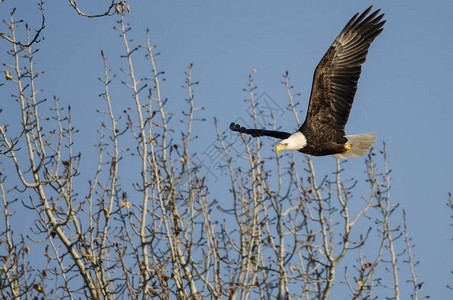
[279, 148]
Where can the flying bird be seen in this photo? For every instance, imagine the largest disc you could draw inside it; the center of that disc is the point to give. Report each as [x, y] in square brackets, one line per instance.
[332, 93]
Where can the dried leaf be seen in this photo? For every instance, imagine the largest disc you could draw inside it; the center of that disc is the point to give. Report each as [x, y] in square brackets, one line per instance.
[8, 75]
[87, 254]
[125, 203]
[38, 288]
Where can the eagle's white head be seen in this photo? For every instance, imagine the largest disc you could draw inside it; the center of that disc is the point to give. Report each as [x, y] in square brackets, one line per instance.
[295, 142]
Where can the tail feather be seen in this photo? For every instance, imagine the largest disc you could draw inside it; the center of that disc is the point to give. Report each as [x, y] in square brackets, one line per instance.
[360, 143]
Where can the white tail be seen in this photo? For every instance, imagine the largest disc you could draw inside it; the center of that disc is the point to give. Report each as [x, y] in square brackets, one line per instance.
[360, 143]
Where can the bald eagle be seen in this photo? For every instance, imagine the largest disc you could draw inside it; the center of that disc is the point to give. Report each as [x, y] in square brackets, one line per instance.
[333, 89]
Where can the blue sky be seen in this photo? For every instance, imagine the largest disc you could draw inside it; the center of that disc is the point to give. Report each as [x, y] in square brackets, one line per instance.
[404, 92]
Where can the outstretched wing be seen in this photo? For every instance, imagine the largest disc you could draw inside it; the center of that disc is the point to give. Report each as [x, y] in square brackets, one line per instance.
[260, 132]
[336, 76]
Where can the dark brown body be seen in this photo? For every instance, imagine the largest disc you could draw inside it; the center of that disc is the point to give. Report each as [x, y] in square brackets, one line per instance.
[323, 142]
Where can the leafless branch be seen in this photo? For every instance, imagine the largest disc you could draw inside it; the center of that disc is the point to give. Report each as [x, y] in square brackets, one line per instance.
[30, 41]
[118, 7]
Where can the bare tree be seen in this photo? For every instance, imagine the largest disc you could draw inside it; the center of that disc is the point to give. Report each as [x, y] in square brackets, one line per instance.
[115, 7]
[281, 229]
[12, 24]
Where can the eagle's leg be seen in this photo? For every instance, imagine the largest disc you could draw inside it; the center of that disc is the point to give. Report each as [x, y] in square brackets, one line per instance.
[346, 148]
